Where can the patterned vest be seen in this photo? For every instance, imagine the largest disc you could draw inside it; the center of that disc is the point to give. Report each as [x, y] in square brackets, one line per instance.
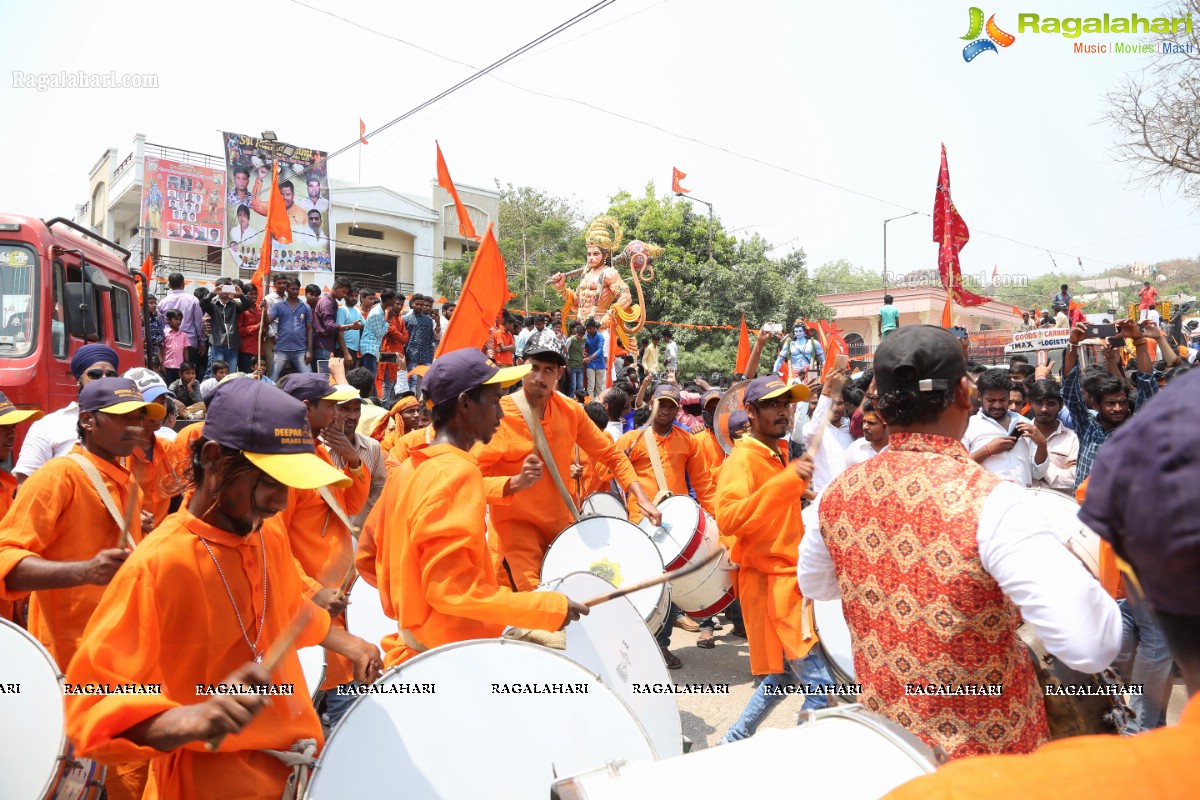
[921, 609]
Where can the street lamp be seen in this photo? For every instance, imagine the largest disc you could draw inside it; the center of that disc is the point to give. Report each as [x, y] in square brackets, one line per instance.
[885, 222]
[710, 220]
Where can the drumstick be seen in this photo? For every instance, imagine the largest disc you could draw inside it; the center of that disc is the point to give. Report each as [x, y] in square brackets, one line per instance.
[127, 523]
[687, 569]
[275, 656]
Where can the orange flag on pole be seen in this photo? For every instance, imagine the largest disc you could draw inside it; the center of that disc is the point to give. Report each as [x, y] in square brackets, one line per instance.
[278, 229]
[743, 351]
[362, 131]
[948, 312]
[482, 299]
[147, 271]
[465, 228]
[676, 177]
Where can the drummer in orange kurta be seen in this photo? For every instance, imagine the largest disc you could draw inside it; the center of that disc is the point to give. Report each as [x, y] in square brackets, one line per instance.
[152, 465]
[435, 571]
[168, 619]
[10, 418]
[61, 541]
[758, 505]
[312, 522]
[707, 438]
[680, 454]
[526, 528]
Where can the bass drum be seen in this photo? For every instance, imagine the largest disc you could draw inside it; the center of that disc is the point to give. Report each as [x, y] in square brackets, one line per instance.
[486, 718]
[36, 760]
[855, 755]
[619, 552]
[612, 641]
[365, 617]
[1062, 514]
[833, 634]
[603, 504]
[689, 534]
[312, 664]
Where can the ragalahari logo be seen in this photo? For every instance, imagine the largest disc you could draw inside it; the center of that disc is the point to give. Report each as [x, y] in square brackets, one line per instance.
[995, 36]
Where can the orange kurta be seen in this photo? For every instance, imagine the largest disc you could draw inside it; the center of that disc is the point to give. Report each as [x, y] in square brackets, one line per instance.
[59, 517]
[758, 508]
[1156, 764]
[411, 440]
[1110, 573]
[166, 619]
[528, 525]
[682, 460]
[323, 545]
[8, 486]
[153, 476]
[435, 570]
[714, 456]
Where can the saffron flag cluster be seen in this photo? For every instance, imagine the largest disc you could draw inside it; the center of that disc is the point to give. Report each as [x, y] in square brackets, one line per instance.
[951, 233]
[484, 293]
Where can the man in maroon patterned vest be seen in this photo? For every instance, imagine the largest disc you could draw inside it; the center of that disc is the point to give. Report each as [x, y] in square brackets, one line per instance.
[937, 560]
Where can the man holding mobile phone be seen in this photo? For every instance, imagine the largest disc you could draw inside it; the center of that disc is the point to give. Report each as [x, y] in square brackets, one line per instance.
[1002, 441]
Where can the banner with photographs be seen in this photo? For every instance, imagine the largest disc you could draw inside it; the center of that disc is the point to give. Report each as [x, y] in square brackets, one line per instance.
[304, 184]
[183, 202]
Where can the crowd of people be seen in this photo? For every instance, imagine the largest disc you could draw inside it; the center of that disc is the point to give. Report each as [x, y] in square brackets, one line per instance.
[442, 482]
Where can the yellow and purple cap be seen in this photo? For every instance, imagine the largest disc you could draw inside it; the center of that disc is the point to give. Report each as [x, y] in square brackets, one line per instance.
[117, 396]
[11, 415]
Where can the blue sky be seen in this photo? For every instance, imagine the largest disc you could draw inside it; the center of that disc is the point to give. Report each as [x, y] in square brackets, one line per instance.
[857, 95]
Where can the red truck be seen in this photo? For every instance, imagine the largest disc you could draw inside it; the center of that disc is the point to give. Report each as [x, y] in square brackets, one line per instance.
[61, 286]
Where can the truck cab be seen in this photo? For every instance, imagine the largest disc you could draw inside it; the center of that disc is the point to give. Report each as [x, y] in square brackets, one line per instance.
[61, 287]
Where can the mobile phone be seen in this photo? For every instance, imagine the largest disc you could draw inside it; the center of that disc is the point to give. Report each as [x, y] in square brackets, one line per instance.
[228, 289]
[773, 327]
[840, 361]
[1013, 430]
[1103, 330]
[1116, 341]
[856, 365]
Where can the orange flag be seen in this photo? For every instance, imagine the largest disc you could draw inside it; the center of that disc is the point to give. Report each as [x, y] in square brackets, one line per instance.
[465, 228]
[482, 299]
[743, 351]
[948, 312]
[676, 177]
[362, 131]
[148, 271]
[278, 228]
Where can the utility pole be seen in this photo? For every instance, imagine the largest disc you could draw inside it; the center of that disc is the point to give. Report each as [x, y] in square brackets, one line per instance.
[885, 222]
[710, 220]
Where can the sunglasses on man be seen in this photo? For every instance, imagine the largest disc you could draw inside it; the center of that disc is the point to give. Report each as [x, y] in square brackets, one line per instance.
[97, 374]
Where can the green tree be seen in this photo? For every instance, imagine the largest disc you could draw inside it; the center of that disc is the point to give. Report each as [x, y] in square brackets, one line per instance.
[448, 280]
[836, 277]
[539, 235]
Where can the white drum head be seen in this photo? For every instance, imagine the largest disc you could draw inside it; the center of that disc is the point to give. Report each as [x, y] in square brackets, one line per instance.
[312, 663]
[603, 504]
[834, 637]
[680, 519]
[1061, 513]
[856, 755]
[467, 740]
[365, 617]
[616, 550]
[32, 736]
[612, 641]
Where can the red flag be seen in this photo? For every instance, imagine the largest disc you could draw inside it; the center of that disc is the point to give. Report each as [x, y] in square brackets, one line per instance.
[147, 271]
[832, 341]
[676, 177]
[743, 351]
[465, 228]
[362, 131]
[278, 228]
[951, 234]
[482, 299]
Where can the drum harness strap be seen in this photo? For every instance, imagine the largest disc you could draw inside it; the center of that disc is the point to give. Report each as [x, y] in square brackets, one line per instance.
[336, 508]
[543, 448]
[656, 460]
[93, 475]
[300, 758]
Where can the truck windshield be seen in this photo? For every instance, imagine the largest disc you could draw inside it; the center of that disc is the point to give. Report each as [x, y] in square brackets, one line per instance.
[18, 295]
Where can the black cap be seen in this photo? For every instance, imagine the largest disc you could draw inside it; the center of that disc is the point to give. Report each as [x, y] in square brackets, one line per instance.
[1141, 497]
[920, 358]
[545, 353]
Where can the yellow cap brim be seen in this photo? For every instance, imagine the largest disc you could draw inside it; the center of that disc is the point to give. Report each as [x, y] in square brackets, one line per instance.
[153, 410]
[19, 415]
[342, 394]
[797, 393]
[507, 376]
[299, 470]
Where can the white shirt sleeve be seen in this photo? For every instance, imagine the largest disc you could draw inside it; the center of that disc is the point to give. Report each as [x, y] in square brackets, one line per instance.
[37, 448]
[1072, 615]
[824, 406]
[1037, 471]
[814, 565]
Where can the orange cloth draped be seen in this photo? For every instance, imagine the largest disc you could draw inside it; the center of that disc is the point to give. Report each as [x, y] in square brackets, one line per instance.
[166, 620]
[743, 351]
[528, 525]
[59, 517]
[1157, 764]
[435, 571]
[758, 507]
[682, 459]
[323, 546]
[413, 440]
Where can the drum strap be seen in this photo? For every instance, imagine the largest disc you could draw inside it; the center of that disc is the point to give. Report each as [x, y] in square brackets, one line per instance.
[660, 477]
[543, 448]
[412, 642]
[93, 475]
[336, 508]
[300, 758]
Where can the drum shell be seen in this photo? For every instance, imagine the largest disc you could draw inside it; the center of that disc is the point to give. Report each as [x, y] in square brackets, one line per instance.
[603, 504]
[707, 591]
[312, 664]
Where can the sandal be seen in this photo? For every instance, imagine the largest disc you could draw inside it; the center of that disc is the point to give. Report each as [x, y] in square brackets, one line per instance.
[706, 640]
[670, 659]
